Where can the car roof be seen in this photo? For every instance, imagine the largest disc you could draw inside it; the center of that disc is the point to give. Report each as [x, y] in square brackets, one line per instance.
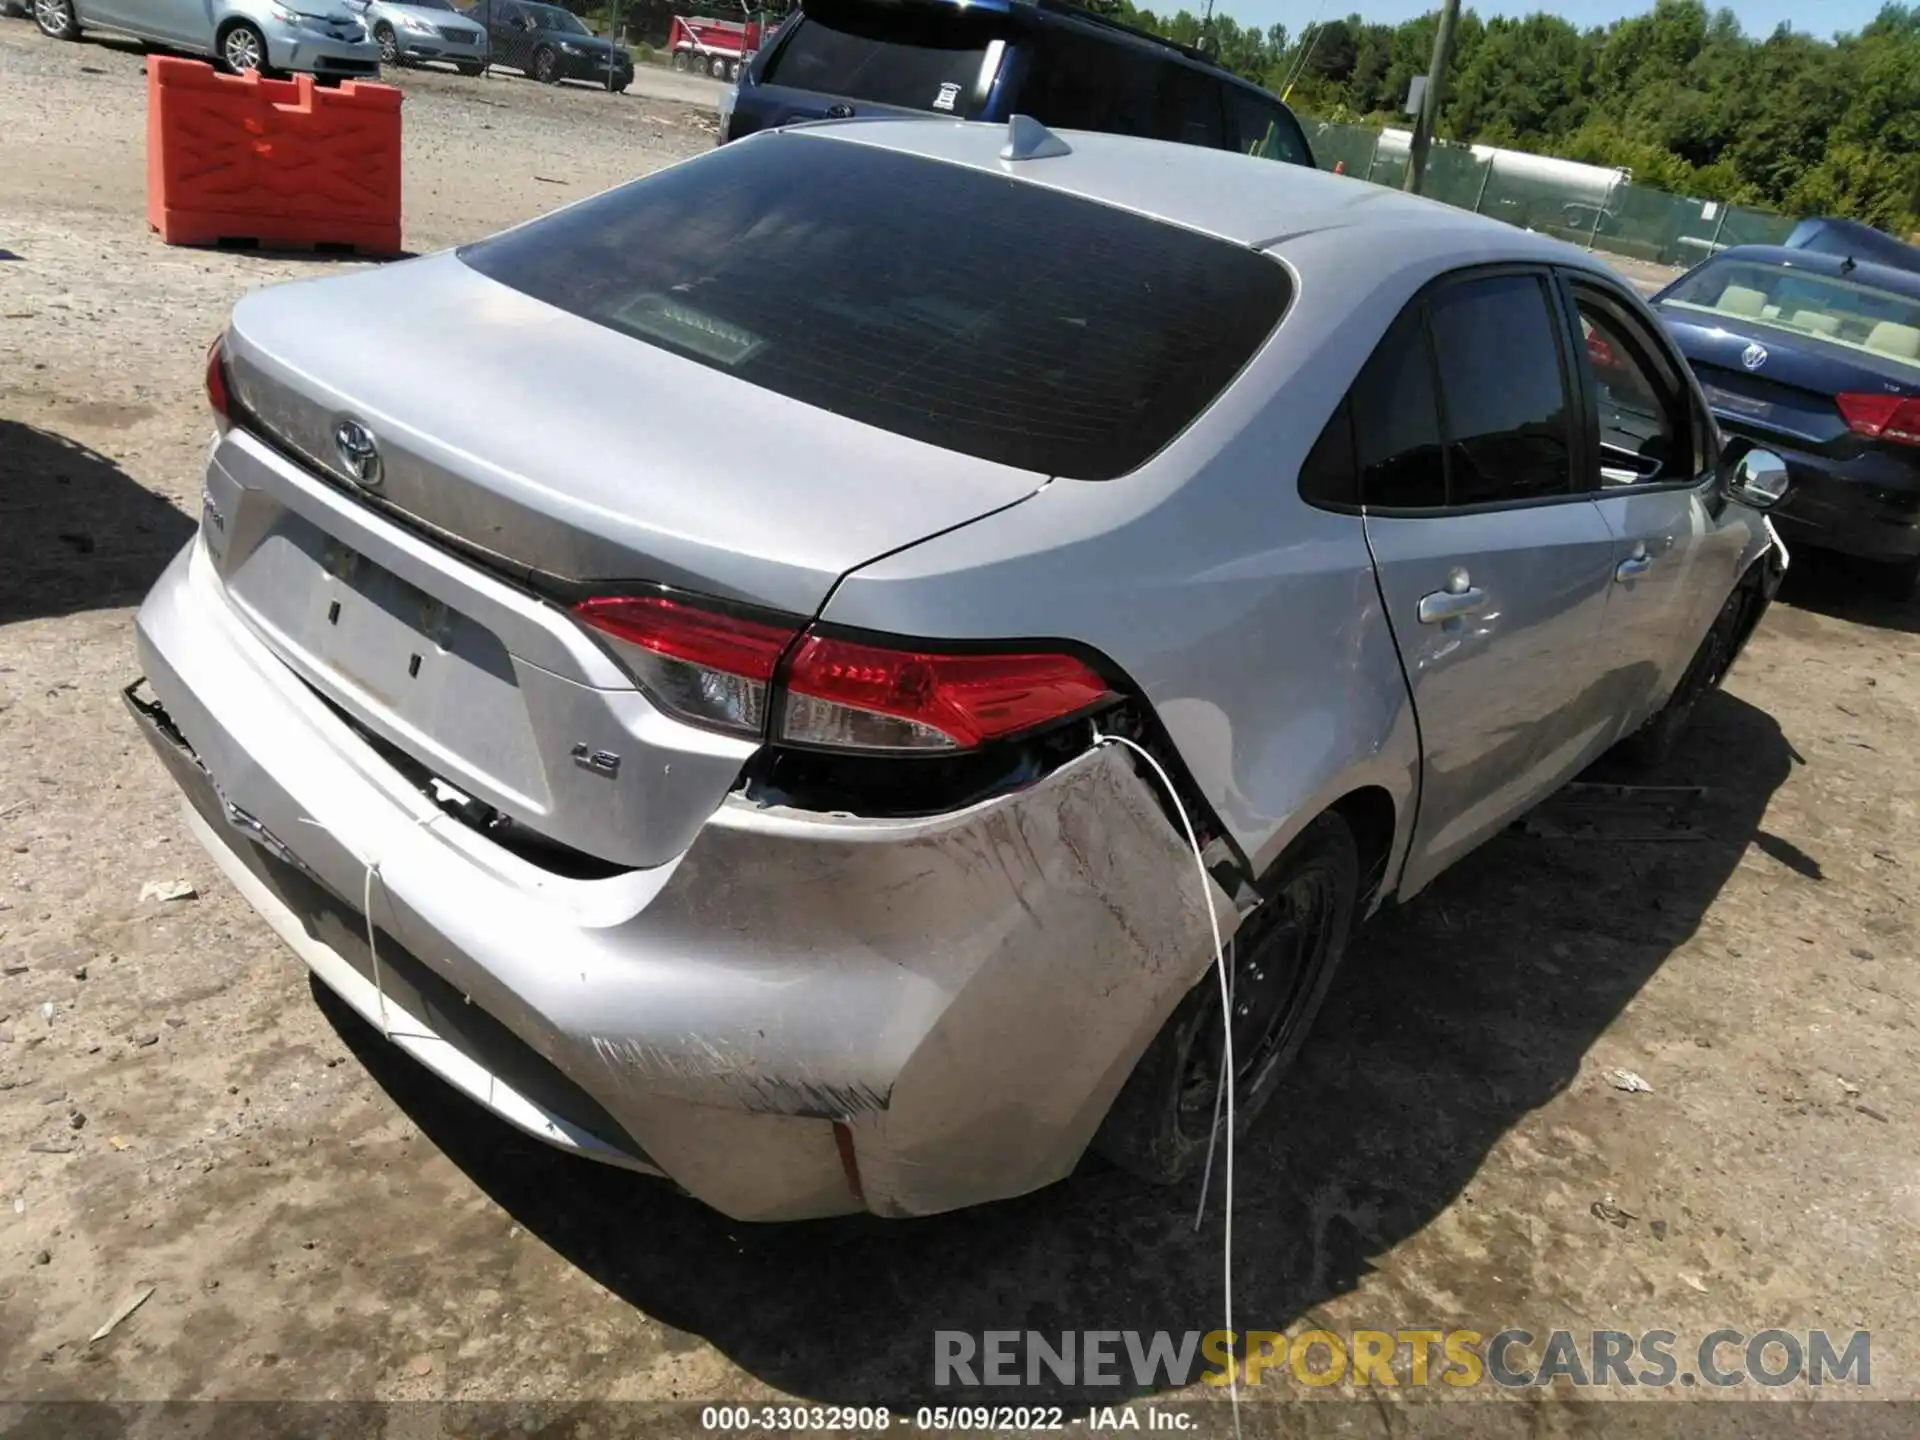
[1883, 277]
[1839, 236]
[1250, 201]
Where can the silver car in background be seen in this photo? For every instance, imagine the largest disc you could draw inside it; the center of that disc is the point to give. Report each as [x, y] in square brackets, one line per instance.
[750, 813]
[318, 36]
[422, 30]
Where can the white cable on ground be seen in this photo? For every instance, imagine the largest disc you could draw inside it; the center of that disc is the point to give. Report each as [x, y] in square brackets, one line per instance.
[1226, 1064]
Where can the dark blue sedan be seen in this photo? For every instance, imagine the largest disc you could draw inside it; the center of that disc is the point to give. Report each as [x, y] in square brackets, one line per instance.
[1817, 358]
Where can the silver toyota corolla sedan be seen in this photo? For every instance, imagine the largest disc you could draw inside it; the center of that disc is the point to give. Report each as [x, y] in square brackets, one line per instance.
[746, 812]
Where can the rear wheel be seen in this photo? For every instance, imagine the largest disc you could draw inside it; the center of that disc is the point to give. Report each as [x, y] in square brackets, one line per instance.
[546, 66]
[56, 19]
[680, 60]
[717, 68]
[243, 48]
[1281, 962]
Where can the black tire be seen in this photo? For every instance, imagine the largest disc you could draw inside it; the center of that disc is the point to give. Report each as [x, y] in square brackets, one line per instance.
[546, 66]
[470, 68]
[1653, 743]
[389, 44]
[233, 42]
[717, 68]
[1282, 959]
[56, 19]
[680, 61]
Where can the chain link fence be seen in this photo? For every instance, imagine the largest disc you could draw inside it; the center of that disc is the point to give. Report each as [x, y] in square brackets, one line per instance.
[1589, 205]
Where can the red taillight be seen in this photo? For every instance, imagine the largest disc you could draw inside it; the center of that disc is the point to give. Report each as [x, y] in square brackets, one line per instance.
[718, 669]
[1882, 417]
[217, 382]
[867, 697]
[705, 666]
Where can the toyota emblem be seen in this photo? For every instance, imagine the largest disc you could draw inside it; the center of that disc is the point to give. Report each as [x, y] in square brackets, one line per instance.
[359, 452]
[1754, 356]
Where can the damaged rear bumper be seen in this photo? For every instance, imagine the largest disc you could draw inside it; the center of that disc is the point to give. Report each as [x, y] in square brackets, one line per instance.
[801, 1015]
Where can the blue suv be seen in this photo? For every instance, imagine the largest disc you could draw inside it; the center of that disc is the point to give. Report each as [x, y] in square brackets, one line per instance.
[989, 59]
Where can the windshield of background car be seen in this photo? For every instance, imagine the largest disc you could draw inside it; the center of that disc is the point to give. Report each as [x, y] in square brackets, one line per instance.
[965, 309]
[917, 56]
[1831, 307]
[428, 5]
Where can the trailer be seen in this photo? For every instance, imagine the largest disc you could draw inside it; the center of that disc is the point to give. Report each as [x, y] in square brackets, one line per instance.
[709, 46]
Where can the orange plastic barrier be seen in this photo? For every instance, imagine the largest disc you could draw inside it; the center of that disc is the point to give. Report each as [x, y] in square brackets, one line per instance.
[239, 160]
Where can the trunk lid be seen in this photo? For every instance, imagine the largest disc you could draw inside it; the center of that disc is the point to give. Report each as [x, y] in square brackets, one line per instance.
[564, 454]
[1789, 391]
[565, 450]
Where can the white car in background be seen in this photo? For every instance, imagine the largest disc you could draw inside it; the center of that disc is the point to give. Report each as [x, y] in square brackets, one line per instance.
[421, 30]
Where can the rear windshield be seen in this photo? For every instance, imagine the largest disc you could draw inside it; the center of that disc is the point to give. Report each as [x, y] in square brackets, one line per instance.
[1790, 297]
[918, 57]
[969, 310]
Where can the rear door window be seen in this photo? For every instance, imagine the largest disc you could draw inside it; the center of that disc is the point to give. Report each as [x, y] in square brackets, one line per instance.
[969, 310]
[1396, 423]
[1503, 391]
[916, 57]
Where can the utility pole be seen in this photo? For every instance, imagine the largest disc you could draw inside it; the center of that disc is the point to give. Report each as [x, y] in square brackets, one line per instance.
[1430, 101]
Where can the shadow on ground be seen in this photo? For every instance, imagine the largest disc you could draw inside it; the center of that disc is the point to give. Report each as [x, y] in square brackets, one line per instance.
[76, 531]
[1857, 591]
[1454, 1017]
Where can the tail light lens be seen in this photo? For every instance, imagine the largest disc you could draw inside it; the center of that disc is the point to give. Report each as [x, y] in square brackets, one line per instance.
[1882, 417]
[711, 668]
[719, 670]
[217, 396]
[866, 697]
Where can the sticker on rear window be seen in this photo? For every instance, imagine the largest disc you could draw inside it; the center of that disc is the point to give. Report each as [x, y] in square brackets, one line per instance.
[949, 93]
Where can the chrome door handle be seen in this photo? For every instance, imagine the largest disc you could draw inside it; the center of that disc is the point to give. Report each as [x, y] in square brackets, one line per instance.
[1444, 605]
[1633, 567]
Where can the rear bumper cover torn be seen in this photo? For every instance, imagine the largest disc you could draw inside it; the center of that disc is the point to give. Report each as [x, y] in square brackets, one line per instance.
[962, 995]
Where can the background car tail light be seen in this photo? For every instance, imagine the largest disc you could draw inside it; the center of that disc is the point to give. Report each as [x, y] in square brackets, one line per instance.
[1882, 417]
[703, 665]
[845, 695]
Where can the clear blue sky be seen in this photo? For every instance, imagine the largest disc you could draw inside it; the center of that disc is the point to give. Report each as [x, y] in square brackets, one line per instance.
[1759, 17]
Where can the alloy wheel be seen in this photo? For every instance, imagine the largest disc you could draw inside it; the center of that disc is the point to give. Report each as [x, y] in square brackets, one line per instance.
[53, 16]
[242, 49]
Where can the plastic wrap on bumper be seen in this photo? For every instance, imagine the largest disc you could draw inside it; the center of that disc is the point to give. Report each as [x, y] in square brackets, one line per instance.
[963, 994]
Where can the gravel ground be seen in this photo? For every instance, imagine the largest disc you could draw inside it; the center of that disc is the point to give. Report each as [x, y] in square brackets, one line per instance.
[180, 1109]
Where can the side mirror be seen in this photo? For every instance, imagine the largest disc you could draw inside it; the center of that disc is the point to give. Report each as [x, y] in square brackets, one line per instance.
[1758, 479]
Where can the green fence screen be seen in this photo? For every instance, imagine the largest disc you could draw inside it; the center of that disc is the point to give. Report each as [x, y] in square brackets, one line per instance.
[1585, 204]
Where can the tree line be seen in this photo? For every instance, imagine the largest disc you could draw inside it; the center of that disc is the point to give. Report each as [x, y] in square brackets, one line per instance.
[1681, 95]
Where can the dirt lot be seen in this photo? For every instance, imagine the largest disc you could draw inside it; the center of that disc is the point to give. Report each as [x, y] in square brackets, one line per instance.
[319, 1220]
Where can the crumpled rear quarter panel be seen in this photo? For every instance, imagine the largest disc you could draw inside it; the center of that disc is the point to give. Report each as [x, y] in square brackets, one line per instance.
[983, 984]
